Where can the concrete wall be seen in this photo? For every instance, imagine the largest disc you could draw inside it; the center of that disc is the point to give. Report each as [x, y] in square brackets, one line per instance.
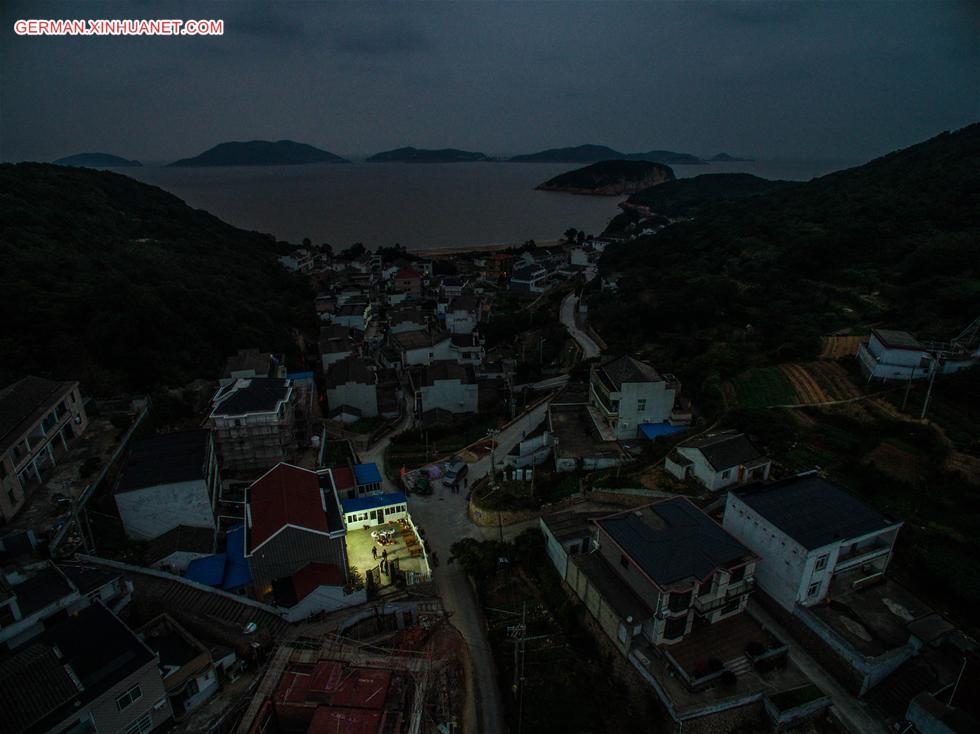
[363, 519]
[659, 404]
[149, 512]
[631, 575]
[106, 716]
[325, 599]
[614, 627]
[461, 322]
[781, 572]
[360, 396]
[427, 355]
[328, 358]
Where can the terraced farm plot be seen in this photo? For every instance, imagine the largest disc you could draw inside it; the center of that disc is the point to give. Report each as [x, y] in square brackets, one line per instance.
[895, 459]
[835, 347]
[761, 387]
[834, 380]
[804, 384]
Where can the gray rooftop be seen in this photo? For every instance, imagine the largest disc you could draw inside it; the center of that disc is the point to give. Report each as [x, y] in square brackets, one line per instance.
[444, 369]
[897, 339]
[349, 370]
[813, 511]
[24, 403]
[626, 369]
[725, 449]
[251, 395]
[165, 459]
[673, 541]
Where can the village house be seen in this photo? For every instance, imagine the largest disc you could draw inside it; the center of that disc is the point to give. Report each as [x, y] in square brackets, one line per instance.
[352, 315]
[349, 383]
[409, 280]
[467, 348]
[87, 672]
[252, 363]
[894, 355]
[626, 393]
[446, 385]
[529, 279]
[451, 287]
[463, 314]
[293, 519]
[407, 318]
[188, 672]
[336, 343]
[719, 460]
[254, 423]
[39, 420]
[813, 536]
[299, 260]
[167, 481]
[658, 571]
[498, 265]
[418, 347]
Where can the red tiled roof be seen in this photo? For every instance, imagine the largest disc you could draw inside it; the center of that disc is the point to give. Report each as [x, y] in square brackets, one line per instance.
[286, 495]
[407, 274]
[343, 478]
[314, 575]
[329, 720]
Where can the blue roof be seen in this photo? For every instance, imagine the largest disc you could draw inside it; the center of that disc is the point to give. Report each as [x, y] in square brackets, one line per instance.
[299, 375]
[367, 474]
[229, 570]
[652, 430]
[359, 504]
[237, 571]
[209, 570]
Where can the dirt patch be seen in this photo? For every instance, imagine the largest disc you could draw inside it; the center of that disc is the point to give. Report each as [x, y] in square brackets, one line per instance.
[807, 388]
[893, 459]
[964, 464]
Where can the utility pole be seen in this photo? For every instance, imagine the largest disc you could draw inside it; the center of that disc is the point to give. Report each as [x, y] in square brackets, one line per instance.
[937, 365]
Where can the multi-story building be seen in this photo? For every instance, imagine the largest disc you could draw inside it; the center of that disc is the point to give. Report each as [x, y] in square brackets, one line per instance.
[421, 347]
[814, 537]
[349, 383]
[626, 393]
[657, 572]
[39, 419]
[167, 481]
[410, 281]
[463, 314]
[186, 666]
[448, 386]
[254, 423]
[87, 672]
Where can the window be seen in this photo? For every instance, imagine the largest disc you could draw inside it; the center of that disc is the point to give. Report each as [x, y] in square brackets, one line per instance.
[813, 590]
[821, 562]
[622, 633]
[143, 724]
[730, 607]
[624, 561]
[727, 473]
[641, 405]
[736, 575]
[129, 697]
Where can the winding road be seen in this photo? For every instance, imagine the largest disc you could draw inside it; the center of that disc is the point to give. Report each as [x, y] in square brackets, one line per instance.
[568, 306]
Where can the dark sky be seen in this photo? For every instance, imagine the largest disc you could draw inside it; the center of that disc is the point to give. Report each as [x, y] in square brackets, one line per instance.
[844, 81]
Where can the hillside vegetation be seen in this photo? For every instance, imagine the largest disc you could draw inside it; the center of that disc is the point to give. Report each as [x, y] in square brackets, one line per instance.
[610, 178]
[758, 280]
[261, 153]
[123, 286]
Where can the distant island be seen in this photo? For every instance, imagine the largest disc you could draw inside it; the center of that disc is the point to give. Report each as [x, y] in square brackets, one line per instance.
[261, 153]
[421, 155]
[610, 178]
[725, 158]
[592, 153]
[96, 160]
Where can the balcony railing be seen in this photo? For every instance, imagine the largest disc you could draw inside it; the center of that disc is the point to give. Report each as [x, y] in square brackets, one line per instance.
[707, 605]
[862, 555]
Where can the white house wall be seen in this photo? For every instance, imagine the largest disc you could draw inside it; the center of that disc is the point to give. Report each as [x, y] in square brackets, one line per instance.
[451, 395]
[357, 395]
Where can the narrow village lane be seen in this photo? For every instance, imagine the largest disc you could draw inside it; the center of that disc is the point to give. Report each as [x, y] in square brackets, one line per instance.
[589, 348]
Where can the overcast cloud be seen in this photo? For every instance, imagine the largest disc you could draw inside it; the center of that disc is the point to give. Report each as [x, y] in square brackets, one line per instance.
[842, 81]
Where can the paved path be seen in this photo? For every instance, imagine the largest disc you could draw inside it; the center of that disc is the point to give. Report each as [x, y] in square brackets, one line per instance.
[443, 517]
[589, 348]
[853, 712]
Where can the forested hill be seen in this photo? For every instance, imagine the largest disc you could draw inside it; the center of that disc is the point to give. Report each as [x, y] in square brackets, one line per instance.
[123, 286]
[895, 242]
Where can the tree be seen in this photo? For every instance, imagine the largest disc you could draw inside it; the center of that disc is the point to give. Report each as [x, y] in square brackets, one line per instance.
[307, 242]
[570, 234]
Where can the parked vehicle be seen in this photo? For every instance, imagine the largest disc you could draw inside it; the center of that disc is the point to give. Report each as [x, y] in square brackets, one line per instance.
[454, 474]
